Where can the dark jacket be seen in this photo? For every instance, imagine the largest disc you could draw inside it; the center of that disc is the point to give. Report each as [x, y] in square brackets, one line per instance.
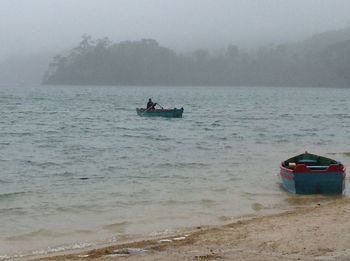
[151, 105]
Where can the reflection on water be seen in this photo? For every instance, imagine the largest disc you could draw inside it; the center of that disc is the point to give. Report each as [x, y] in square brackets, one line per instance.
[78, 166]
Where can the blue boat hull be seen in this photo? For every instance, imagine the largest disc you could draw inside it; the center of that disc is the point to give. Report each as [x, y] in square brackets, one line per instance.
[311, 183]
[312, 174]
[173, 113]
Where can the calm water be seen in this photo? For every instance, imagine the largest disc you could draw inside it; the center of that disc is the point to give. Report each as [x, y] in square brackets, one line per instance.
[78, 167]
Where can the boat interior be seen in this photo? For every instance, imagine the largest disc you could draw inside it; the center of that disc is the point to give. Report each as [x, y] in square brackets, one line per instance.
[311, 161]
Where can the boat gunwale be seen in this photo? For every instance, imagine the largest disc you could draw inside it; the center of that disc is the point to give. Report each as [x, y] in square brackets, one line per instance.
[303, 169]
[144, 110]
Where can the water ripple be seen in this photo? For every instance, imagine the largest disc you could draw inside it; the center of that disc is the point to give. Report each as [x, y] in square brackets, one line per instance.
[75, 158]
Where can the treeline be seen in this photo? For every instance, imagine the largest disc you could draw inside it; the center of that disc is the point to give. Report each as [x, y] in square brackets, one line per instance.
[322, 60]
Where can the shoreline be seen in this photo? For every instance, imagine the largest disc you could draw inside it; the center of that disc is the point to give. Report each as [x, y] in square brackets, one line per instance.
[317, 232]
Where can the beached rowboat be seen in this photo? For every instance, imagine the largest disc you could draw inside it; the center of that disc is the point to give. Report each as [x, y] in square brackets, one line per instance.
[312, 174]
[169, 113]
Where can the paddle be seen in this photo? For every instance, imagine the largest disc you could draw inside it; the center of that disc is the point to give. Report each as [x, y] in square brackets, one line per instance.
[160, 106]
[148, 109]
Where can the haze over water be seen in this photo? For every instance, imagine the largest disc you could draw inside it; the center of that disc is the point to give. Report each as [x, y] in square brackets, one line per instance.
[79, 167]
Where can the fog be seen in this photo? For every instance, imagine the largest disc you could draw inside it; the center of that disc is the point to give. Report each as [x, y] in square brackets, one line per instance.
[47, 25]
[33, 32]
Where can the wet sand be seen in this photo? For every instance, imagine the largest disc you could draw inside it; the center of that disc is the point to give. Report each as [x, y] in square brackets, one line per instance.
[320, 231]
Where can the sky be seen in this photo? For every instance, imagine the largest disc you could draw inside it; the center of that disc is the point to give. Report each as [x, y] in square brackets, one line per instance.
[35, 26]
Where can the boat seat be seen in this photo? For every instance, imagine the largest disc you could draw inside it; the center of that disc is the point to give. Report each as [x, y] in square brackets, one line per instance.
[307, 162]
[317, 167]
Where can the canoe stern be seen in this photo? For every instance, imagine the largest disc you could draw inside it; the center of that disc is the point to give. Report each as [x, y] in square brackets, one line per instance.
[319, 183]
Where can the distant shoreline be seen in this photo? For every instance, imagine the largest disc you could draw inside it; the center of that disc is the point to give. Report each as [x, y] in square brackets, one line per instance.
[319, 60]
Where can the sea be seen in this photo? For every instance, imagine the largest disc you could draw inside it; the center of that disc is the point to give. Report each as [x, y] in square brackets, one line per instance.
[80, 169]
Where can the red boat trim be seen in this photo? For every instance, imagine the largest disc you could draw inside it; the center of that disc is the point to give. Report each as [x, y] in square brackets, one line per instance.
[301, 168]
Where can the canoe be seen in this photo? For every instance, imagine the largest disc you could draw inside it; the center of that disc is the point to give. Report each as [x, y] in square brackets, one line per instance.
[169, 113]
[312, 174]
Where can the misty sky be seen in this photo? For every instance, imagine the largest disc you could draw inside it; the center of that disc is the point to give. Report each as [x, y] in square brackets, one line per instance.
[52, 25]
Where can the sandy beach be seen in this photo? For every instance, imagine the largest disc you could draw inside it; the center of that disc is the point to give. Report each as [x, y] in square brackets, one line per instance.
[317, 232]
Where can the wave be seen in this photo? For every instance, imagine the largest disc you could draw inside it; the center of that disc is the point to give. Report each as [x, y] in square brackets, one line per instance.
[122, 109]
[18, 134]
[218, 138]
[64, 174]
[76, 209]
[51, 250]
[2, 181]
[116, 227]
[257, 206]
[15, 211]
[207, 203]
[346, 154]
[173, 202]
[11, 195]
[201, 147]
[160, 138]
[183, 165]
[37, 234]
[132, 136]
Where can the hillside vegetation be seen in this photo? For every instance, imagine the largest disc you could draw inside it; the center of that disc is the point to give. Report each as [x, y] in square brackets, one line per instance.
[321, 60]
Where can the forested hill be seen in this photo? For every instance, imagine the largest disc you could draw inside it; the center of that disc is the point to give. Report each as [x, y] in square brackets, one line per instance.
[321, 60]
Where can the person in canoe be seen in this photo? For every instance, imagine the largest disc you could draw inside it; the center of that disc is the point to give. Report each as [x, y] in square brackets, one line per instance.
[151, 105]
